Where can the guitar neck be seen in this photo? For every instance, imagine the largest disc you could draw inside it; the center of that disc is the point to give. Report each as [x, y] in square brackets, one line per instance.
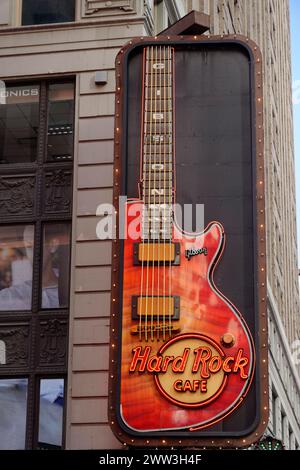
[157, 144]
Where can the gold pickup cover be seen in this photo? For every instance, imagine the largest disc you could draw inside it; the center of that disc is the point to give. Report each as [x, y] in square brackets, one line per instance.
[158, 306]
[162, 306]
[156, 253]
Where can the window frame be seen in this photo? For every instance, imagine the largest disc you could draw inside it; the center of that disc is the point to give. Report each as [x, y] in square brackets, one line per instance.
[35, 369]
[17, 15]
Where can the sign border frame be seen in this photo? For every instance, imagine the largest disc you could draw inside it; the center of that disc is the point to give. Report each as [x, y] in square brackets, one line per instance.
[257, 106]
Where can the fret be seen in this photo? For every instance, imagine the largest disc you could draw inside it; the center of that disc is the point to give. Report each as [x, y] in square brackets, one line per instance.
[158, 106]
[157, 188]
[157, 159]
[157, 229]
[161, 177]
[161, 181]
[159, 207]
[164, 219]
[157, 236]
[156, 153]
[160, 75]
[158, 192]
[151, 95]
[157, 226]
[156, 199]
[157, 130]
[160, 167]
[156, 139]
[166, 168]
[158, 90]
[157, 117]
[160, 57]
[150, 86]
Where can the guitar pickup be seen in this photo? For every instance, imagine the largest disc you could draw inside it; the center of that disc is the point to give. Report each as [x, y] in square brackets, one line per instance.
[153, 253]
[158, 307]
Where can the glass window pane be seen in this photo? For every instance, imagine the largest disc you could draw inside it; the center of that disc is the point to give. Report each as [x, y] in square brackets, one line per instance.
[13, 407]
[60, 121]
[51, 413]
[19, 123]
[16, 255]
[47, 11]
[56, 269]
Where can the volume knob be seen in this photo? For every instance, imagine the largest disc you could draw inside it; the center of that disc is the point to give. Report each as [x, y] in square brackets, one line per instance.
[228, 340]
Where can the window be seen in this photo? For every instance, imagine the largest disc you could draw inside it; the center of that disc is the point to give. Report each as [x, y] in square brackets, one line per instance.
[55, 271]
[47, 11]
[13, 406]
[60, 121]
[19, 118]
[16, 252]
[35, 231]
[51, 403]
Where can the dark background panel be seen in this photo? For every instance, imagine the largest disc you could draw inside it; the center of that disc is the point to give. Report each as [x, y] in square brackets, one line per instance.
[214, 165]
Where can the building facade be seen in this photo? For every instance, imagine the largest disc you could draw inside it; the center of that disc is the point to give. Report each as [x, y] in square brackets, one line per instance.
[56, 166]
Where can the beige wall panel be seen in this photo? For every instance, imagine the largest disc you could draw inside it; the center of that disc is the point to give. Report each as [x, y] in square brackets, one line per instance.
[92, 304]
[92, 279]
[69, 47]
[90, 358]
[91, 331]
[93, 253]
[96, 129]
[93, 437]
[90, 384]
[97, 105]
[66, 35]
[87, 83]
[4, 12]
[89, 410]
[89, 200]
[95, 176]
[57, 62]
[100, 151]
[86, 228]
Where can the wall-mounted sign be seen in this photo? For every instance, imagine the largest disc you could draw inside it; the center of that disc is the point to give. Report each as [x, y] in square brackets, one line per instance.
[188, 309]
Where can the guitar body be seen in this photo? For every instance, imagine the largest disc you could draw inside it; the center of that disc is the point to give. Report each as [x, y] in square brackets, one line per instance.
[207, 319]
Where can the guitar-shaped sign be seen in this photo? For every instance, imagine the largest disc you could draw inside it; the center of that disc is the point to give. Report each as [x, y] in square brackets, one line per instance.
[187, 354]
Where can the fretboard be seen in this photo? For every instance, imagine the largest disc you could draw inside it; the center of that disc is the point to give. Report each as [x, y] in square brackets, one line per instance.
[157, 145]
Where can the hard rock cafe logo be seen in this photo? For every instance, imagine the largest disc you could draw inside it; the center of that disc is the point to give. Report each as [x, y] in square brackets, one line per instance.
[190, 370]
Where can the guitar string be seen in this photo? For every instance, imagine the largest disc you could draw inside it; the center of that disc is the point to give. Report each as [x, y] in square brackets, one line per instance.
[153, 216]
[144, 130]
[164, 213]
[159, 199]
[171, 154]
[149, 198]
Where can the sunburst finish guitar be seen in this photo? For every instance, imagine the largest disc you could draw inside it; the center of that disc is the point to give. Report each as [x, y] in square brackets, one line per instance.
[186, 352]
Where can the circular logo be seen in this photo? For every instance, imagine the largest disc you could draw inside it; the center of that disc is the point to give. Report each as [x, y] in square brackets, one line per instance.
[196, 377]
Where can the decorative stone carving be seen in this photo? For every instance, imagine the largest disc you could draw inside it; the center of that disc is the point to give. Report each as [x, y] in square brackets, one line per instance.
[16, 195]
[107, 8]
[58, 192]
[53, 343]
[16, 341]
